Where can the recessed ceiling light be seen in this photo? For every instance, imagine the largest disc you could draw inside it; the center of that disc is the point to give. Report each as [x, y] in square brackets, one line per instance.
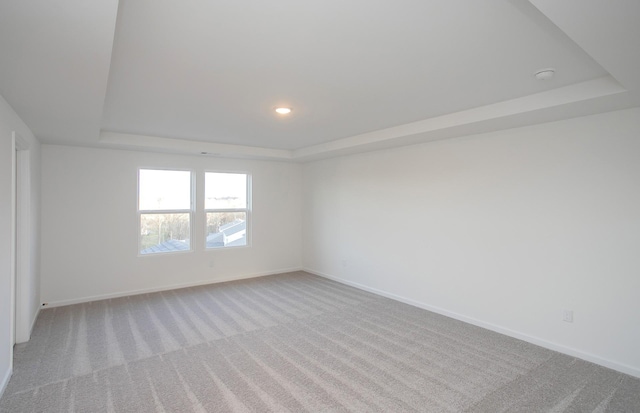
[545, 74]
[283, 111]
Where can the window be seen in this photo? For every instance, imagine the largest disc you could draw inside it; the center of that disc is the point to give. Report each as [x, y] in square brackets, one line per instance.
[165, 209]
[226, 207]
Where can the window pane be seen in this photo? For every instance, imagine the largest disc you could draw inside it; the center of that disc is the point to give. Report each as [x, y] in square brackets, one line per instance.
[164, 233]
[225, 191]
[226, 229]
[161, 189]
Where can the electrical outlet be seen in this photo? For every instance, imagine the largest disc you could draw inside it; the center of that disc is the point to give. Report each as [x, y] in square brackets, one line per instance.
[567, 315]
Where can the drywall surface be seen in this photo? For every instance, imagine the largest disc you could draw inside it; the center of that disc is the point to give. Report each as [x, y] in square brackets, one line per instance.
[29, 282]
[9, 123]
[504, 229]
[90, 225]
[27, 237]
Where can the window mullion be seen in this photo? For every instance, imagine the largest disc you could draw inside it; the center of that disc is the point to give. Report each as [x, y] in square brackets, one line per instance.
[165, 211]
[229, 210]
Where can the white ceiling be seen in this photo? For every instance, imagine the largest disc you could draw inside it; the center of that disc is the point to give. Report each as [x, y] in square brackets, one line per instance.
[204, 76]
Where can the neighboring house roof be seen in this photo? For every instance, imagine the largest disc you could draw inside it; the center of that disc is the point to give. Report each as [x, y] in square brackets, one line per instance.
[232, 234]
[233, 227]
[168, 246]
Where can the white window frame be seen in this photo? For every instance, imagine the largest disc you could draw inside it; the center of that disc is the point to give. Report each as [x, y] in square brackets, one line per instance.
[246, 210]
[190, 211]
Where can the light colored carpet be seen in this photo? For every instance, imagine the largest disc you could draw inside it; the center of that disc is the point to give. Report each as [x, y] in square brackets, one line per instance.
[291, 342]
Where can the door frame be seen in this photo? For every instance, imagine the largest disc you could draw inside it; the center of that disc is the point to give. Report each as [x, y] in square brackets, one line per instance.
[20, 238]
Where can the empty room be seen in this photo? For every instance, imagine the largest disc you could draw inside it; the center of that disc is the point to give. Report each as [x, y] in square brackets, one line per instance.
[320, 206]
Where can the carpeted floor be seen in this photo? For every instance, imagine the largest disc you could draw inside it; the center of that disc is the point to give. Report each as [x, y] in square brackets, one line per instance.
[292, 342]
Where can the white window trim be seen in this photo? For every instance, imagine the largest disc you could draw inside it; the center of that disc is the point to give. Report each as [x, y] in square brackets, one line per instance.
[189, 211]
[246, 210]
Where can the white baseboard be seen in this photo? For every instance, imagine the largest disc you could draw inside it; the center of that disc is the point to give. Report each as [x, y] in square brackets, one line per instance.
[61, 303]
[623, 368]
[5, 380]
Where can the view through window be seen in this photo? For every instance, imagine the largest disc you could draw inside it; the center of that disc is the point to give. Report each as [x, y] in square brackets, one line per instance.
[165, 210]
[227, 209]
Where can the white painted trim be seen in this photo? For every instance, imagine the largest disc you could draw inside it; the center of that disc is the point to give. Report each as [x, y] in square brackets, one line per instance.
[23, 241]
[15, 144]
[633, 371]
[5, 381]
[164, 288]
[191, 210]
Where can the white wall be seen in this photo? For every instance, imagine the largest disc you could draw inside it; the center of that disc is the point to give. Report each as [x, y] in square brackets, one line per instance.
[90, 228]
[10, 122]
[503, 229]
[28, 239]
